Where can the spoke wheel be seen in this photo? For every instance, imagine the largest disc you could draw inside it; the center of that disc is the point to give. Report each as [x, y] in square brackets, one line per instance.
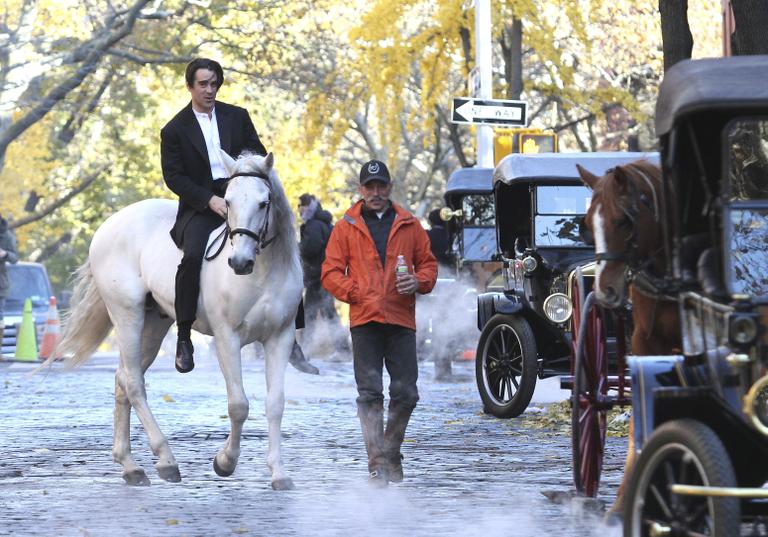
[589, 398]
[506, 366]
[684, 452]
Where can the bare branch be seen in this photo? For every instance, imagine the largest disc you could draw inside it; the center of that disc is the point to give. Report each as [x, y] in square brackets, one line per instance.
[13, 224]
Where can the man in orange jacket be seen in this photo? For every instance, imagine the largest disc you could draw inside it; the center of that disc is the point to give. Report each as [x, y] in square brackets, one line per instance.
[360, 266]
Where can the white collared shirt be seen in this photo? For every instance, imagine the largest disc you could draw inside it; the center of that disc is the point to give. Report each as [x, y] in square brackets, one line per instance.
[211, 135]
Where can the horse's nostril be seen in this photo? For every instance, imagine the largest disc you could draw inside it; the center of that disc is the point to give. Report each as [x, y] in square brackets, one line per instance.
[229, 261]
[610, 293]
[249, 265]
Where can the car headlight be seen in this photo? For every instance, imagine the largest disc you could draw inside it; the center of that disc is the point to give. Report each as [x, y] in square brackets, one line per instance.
[756, 404]
[743, 329]
[530, 263]
[558, 308]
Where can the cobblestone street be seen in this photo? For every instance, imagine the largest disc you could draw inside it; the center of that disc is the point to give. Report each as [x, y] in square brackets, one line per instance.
[466, 473]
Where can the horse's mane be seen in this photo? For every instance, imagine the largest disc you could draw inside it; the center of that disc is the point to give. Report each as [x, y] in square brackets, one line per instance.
[282, 215]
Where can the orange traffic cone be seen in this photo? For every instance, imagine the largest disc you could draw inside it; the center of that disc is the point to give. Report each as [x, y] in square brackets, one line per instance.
[51, 333]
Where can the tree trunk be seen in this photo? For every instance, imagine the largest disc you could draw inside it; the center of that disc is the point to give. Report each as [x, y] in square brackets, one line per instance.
[676, 37]
[512, 52]
[751, 18]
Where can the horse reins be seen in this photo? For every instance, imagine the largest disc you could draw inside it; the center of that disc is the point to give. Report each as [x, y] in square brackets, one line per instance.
[259, 237]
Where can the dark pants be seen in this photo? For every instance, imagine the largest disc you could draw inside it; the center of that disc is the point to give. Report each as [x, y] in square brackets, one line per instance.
[375, 345]
[193, 243]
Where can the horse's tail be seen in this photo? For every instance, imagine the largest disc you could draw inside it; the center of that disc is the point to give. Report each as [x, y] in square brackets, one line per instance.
[87, 322]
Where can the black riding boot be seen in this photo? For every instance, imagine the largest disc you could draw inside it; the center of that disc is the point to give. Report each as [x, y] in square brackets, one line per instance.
[300, 362]
[372, 423]
[397, 421]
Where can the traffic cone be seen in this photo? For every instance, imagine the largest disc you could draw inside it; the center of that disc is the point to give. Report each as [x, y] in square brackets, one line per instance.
[51, 333]
[26, 344]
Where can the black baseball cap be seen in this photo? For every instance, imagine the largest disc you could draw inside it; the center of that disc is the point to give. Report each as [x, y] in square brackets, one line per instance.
[374, 170]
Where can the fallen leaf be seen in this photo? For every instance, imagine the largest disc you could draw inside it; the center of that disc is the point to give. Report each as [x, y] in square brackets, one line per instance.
[171, 522]
[241, 530]
[168, 399]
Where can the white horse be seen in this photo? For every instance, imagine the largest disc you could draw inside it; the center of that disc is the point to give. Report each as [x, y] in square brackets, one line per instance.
[251, 291]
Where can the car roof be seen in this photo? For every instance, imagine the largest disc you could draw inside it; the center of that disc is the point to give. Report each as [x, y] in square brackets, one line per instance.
[710, 84]
[558, 166]
[470, 181]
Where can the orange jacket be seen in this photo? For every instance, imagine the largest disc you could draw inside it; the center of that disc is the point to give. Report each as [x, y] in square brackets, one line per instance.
[352, 270]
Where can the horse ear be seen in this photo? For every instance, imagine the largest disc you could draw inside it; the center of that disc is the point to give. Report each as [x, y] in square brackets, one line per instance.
[588, 178]
[620, 176]
[269, 161]
[229, 162]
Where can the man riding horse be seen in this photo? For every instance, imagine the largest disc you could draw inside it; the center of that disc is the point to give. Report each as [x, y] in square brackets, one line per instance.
[193, 170]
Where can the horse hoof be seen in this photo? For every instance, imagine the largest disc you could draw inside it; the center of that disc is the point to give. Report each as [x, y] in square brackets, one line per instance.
[285, 483]
[169, 473]
[221, 471]
[136, 478]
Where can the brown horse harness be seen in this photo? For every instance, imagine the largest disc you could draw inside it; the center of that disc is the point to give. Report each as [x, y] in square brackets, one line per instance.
[638, 271]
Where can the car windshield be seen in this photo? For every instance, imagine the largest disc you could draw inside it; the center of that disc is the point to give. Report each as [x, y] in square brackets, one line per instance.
[26, 281]
[479, 243]
[478, 210]
[747, 266]
[558, 212]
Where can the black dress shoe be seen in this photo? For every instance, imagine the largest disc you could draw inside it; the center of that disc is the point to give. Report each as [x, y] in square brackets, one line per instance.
[300, 362]
[184, 356]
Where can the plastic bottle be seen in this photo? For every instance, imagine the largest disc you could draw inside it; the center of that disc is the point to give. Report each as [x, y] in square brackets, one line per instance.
[401, 267]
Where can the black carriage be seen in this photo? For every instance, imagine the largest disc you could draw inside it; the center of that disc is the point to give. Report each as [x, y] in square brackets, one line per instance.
[701, 417]
[526, 329]
[470, 219]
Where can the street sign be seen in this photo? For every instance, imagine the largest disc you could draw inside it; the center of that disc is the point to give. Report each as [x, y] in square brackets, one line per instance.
[504, 113]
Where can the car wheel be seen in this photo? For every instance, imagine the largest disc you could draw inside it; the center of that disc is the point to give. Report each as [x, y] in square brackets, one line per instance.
[681, 452]
[506, 365]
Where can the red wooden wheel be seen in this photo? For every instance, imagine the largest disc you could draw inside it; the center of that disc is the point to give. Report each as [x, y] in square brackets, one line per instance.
[589, 399]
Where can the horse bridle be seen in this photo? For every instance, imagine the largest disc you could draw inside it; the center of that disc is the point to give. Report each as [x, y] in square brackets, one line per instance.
[628, 254]
[638, 273]
[258, 236]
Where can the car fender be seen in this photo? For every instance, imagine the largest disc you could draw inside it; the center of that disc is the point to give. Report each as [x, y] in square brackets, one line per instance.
[649, 373]
[489, 304]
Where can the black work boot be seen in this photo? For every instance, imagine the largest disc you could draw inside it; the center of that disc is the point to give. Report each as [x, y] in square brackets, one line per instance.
[300, 362]
[372, 423]
[184, 356]
[397, 421]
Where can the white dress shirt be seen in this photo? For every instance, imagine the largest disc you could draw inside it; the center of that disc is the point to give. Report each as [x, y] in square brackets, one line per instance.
[211, 134]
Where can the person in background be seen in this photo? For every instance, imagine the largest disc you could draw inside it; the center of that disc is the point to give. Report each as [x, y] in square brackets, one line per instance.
[438, 239]
[377, 258]
[319, 307]
[8, 254]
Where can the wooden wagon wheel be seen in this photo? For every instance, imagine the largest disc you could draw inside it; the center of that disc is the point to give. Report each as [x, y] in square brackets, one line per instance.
[589, 398]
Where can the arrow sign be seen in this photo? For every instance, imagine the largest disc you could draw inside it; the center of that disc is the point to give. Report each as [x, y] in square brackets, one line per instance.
[490, 112]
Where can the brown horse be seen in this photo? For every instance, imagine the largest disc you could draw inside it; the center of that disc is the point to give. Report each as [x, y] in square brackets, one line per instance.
[624, 221]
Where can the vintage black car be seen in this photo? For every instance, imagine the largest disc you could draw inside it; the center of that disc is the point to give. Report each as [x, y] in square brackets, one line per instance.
[701, 417]
[470, 219]
[526, 328]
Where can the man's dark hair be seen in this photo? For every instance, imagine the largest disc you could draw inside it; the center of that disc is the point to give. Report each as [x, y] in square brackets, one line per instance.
[203, 63]
[305, 199]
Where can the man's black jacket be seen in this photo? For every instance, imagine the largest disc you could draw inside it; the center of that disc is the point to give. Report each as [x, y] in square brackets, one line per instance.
[314, 237]
[184, 156]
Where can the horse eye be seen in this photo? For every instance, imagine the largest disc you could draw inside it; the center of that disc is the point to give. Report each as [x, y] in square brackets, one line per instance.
[263, 205]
